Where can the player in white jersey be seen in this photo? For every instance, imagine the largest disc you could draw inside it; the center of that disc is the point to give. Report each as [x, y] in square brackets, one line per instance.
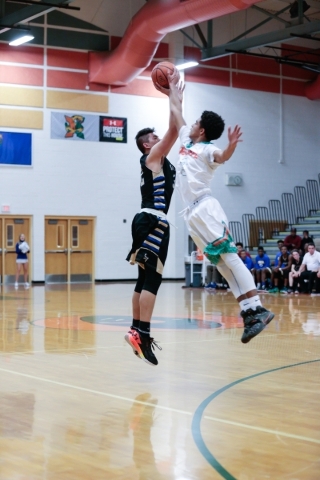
[205, 218]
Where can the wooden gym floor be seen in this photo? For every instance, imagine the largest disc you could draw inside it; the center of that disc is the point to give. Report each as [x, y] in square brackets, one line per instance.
[76, 404]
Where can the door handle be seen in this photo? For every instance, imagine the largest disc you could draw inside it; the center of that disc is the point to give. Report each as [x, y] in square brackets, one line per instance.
[80, 251]
[56, 251]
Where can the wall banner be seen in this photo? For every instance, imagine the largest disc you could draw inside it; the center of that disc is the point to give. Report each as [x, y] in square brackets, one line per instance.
[15, 148]
[75, 127]
[113, 129]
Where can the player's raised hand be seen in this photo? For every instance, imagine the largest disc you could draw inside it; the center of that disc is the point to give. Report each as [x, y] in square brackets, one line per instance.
[234, 135]
[180, 88]
[162, 89]
[177, 88]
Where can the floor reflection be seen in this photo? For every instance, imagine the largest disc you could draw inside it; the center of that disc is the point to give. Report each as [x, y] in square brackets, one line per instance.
[15, 315]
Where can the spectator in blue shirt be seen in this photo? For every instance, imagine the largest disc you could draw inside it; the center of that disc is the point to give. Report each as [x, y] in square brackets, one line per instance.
[281, 271]
[262, 267]
[248, 262]
[276, 260]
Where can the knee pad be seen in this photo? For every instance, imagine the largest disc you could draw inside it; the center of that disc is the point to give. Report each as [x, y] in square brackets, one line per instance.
[141, 278]
[152, 281]
[148, 279]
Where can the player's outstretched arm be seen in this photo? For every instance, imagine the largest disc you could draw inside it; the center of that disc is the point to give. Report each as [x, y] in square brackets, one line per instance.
[175, 93]
[176, 97]
[234, 137]
[162, 148]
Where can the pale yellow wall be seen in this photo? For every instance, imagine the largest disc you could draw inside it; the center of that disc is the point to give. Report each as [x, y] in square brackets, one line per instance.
[21, 118]
[77, 101]
[19, 96]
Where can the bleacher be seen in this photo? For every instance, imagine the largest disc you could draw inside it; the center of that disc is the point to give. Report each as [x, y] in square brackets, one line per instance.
[311, 223]
[300, 209]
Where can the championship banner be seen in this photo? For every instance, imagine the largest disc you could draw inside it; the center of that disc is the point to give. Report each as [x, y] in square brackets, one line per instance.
[113, 129]
[75, 127]
[15, 148]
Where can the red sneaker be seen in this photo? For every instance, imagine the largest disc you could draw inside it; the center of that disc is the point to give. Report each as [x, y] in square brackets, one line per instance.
[132, 340]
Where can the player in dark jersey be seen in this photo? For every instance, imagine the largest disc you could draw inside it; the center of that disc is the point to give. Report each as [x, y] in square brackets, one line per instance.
[150, 234]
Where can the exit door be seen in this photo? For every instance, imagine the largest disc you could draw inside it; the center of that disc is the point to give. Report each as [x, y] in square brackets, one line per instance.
[11, 227]
[69, 249]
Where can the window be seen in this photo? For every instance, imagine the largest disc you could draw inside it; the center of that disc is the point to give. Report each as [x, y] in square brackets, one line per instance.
[9, 235]
[60, 236]
[75, 236]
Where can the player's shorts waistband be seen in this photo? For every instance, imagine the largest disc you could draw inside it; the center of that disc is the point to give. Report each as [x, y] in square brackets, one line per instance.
[199, 200]
[195, 203]
[155, 212]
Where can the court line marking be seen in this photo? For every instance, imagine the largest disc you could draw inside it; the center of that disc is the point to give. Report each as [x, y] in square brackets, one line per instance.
[262, 429]
[196, 421]
[89, 390]
[110, 347]
[81, 349]
[161, 407]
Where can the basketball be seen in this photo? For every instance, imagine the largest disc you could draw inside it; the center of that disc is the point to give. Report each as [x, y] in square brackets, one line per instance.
[161, 71]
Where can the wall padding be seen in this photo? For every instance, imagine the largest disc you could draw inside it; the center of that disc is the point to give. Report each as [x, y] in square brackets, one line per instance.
[31, 119]
[77, 101]
[24, 97]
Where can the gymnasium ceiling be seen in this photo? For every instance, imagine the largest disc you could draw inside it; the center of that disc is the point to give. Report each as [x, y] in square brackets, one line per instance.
[87, 24]
[274, 6]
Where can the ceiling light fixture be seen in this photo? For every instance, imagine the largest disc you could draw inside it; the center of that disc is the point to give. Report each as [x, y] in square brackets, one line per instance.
[21, 40]
[185, 65]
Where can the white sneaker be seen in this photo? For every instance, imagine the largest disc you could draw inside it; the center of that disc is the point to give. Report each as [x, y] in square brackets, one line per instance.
[26, 285]
[258, 286]
[16, 285]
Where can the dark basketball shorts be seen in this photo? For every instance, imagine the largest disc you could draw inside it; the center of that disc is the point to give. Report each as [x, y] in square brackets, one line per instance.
[150, 241]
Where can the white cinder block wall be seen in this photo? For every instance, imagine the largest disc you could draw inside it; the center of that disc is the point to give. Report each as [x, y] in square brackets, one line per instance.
[102, 179]
[257, 157]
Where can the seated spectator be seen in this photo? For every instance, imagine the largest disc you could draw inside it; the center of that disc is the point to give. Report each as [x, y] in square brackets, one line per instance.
[248, 262]
[281, 272]
[293, 240]
[309, 270]
[214, 279]
[304, 241]
[294, 277]
[303, 252]
[280, 244]
[316, 242]
[239, 246]
[211, 276]
[262, 268]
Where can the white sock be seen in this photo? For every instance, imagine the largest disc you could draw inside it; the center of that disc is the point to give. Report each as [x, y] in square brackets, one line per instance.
[254, 302]
[245, 304]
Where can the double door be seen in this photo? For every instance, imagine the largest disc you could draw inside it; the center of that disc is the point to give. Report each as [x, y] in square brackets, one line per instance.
[11, 227]
[69, 249]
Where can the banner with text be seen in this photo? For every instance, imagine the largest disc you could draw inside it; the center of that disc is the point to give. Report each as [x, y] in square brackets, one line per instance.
[113, 129]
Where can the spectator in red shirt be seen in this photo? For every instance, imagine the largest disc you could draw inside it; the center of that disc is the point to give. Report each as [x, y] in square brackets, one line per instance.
[293, 240]
[239, 246]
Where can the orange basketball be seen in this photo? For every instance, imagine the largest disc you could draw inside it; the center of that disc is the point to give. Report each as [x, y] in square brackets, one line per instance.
[161, 71]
